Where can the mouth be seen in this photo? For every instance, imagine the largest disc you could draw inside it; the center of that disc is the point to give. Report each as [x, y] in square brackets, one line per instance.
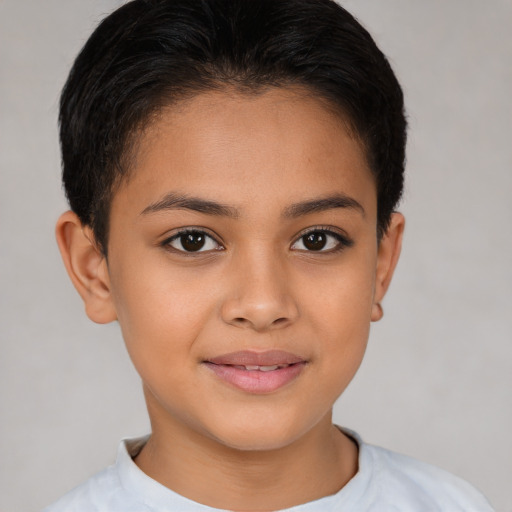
[257, 372]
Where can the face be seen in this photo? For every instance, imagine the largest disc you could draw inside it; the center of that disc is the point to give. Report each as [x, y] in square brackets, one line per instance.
[242, 264]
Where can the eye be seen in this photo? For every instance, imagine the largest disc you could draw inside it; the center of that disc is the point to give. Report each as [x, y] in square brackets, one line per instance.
[321, 240]
[192, 240]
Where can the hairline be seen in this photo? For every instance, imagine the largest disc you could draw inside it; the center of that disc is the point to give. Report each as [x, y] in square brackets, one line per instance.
[134, 136]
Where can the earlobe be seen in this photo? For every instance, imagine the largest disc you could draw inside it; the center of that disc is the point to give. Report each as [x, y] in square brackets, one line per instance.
[387, 258]
[377, 312]
[86, 267]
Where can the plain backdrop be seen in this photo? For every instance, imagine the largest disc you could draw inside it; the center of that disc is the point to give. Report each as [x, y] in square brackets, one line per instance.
[437, 380]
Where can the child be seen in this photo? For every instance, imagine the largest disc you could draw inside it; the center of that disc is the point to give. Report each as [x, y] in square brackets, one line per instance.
[233, 169]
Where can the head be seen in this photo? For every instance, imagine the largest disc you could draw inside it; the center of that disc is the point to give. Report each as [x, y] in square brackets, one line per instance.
[150, 54]
[233, 168]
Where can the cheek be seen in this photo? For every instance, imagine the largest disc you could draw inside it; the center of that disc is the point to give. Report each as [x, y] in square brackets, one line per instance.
[161, 313]
[339, 307]
[343, 330]
[340, 298]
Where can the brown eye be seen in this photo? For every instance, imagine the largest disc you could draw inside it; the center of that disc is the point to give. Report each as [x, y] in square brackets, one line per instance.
[192, 241]
[315, 241]
[322, 240]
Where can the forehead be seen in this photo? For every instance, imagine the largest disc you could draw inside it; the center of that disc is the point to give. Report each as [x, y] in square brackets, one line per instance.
[238, 147]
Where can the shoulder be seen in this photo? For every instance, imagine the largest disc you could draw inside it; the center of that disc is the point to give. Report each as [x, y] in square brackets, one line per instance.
[102, 492]
[421, 485]
[87, 496]
[105, 491]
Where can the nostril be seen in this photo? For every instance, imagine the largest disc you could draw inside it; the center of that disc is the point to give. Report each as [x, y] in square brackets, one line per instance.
[245, 322]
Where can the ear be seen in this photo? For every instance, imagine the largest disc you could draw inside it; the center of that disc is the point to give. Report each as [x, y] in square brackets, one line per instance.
[387, 257]
[86, 266]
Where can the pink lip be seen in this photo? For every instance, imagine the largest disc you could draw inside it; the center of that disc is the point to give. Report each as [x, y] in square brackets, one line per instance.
[227, 368]
[248, 357]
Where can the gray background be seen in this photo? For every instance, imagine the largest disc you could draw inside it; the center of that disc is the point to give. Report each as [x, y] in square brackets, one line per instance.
[437, 380]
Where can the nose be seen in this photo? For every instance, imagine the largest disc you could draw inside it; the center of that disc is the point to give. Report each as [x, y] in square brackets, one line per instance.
[260, 295]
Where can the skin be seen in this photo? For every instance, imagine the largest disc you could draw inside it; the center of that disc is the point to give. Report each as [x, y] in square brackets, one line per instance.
[255, 287]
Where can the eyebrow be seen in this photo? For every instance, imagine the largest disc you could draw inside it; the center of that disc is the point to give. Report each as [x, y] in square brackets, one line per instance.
[323, 204]
[173, 201]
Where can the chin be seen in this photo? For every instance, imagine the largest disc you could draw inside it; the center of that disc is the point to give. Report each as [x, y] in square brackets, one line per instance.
[263, 435]
[256, 443]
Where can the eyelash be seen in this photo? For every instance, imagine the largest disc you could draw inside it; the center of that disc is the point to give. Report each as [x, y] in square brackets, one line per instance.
[342, 241]
[189, 231]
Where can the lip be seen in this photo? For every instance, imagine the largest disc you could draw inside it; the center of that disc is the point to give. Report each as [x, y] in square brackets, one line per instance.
[253, 358]
[229, 368]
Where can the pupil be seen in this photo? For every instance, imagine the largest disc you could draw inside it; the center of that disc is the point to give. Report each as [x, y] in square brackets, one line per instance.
[315, 241]
[192, 241]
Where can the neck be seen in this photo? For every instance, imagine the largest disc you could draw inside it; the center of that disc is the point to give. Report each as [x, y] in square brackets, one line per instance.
[204, 470]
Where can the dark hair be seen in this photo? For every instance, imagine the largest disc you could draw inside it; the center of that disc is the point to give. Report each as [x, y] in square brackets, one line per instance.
[152, 53]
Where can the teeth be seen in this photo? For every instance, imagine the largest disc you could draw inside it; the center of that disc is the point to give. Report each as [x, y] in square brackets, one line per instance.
[253, 368]
[268, 368]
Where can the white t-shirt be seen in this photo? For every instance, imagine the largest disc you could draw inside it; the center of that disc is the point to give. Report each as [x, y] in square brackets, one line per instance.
[385, 482]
